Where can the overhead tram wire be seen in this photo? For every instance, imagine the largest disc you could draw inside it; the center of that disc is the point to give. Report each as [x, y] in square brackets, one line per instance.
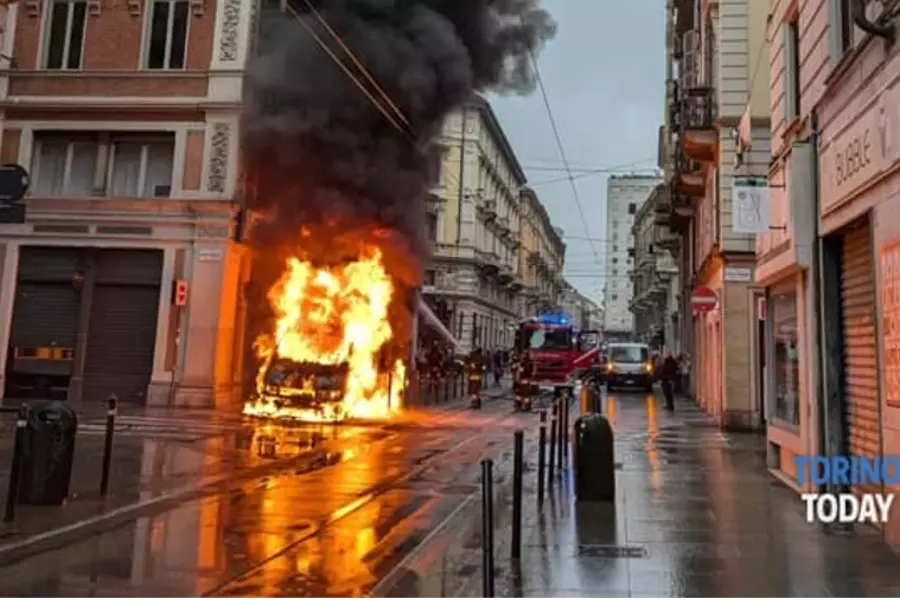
[560, 147]
[392, 112]
[359, 65]
[348, 72]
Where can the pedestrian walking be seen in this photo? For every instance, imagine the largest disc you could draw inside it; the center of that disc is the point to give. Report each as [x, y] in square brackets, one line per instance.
[668, 373]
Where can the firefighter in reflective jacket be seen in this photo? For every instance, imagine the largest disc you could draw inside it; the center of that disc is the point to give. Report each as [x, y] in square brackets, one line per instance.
[477, 365]
[524, 389]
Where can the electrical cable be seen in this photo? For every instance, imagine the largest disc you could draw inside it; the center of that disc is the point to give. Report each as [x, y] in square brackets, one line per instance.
[559, 145]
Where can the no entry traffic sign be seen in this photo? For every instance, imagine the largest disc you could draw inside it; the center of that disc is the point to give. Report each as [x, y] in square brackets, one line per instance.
[703, 299]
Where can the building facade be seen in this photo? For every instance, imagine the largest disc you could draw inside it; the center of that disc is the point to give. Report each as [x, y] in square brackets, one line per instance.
[586, 313]
[474, 281]
[830, 263]
[716, 47]
[541, 257]
[131, 142]
[624, 195]
[654, 276]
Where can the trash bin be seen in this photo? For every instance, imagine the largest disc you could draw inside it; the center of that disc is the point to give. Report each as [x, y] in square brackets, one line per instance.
[47, 454]
[594, 465]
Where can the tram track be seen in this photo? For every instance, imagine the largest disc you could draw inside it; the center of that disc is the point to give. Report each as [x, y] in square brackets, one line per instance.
[468, 446]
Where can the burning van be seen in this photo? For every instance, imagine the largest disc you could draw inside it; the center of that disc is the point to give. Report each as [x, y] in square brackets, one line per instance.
[289, 385]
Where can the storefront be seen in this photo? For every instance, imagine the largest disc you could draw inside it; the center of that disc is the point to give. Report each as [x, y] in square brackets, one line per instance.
[860, 200]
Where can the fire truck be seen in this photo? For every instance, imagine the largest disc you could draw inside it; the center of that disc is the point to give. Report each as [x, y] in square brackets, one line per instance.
[551, 352]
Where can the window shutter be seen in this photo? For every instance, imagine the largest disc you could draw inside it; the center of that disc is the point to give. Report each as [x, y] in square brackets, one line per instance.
[790, 66]
[835, 24]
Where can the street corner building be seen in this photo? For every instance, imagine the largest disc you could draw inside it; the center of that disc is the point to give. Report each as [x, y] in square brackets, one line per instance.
[714, 50]
[830, 264]
[124, 274]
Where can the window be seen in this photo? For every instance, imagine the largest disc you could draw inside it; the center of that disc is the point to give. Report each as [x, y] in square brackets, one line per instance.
[140, 167]
[615, 260]
[628, 354]
[787, 358]
[632, 208]
[429, 278]
[168, 34]
[431, 226]
[436, 166]
[64, 166]
[791, 70]
[840, 28]
[65, 34]
[614, 297]
[615, 248]
[68, 164]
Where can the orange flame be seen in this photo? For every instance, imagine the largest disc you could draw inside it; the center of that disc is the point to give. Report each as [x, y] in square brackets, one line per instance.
[333, 316]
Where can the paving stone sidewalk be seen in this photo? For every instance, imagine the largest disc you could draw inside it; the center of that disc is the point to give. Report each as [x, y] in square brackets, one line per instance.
[697, 514]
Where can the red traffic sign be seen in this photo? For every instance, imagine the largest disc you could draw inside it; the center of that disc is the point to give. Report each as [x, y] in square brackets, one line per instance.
[703, 299]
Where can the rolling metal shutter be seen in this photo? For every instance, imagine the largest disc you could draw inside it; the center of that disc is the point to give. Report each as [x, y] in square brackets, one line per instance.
[860, 361]
[122, 334]
[44, 324]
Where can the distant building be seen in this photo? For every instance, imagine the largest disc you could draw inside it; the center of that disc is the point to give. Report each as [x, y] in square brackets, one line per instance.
[625, 195]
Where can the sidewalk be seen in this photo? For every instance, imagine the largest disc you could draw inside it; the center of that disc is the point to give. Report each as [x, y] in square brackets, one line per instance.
[162, 457]
[697, 514]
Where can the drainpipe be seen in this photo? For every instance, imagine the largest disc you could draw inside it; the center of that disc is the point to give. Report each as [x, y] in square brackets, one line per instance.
[462, 173]
[815, 290]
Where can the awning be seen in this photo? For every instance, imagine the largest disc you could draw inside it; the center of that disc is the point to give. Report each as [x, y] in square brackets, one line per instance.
[435, 323]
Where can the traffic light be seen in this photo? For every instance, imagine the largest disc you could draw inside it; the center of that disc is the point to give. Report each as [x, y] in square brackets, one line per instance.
[180, 293]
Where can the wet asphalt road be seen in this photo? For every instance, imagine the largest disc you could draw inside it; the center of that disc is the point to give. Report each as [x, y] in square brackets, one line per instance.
[331, 531]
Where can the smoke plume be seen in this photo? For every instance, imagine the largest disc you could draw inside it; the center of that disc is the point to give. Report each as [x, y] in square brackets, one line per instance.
[320, 154]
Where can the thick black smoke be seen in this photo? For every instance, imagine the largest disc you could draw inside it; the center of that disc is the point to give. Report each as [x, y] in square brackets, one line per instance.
[319, 151]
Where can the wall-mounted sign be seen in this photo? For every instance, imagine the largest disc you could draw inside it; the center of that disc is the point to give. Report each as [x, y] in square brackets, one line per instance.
[750, 205]
[738, 274]
[889, 284]
[14, 182]
[209, 254]
[855, 155]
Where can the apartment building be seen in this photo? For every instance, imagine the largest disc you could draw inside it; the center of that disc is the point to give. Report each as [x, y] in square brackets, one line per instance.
[624, 195]
[716, 47]
[541, 257]
[585, 313]
[474, 281]
[829, 263]
[122, 276]
[654, 275]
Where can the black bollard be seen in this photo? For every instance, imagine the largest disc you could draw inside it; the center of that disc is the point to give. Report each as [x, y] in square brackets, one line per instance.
[594, 460]
[518, 458]
[551, 463]
[487, 528]
[15, 471]
[112, 407]
[564, 430]
[542, 456]
[560, 430]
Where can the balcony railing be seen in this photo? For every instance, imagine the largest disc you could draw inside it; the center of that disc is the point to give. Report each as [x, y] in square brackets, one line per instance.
[697, 110]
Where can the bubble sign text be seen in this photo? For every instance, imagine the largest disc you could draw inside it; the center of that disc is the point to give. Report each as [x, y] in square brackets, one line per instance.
[844, 471]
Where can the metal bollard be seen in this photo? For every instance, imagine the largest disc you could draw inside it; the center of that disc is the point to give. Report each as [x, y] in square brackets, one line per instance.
[112, 408]
[560, 431]
[487, 528]
[564, 429]
[518, 458]
[542, 455]
[551, 463]
[15, 471]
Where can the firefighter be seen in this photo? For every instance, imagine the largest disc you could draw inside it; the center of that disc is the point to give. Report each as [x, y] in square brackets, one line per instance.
[477, 365]
[523, 388]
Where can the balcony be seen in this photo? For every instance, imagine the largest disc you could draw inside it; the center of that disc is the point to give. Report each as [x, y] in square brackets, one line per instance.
[487, 210]
[690, 177]
[697, 120]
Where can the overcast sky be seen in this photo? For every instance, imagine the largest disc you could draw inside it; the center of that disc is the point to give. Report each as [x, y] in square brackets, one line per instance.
[604, 75]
